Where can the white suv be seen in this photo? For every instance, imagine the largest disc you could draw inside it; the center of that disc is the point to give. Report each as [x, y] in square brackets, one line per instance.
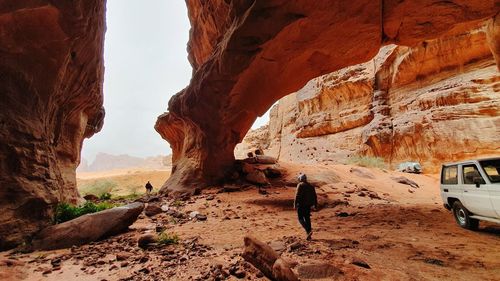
[471, 189]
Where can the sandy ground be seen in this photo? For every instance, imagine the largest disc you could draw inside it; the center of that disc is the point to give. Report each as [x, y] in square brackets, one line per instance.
[127, 180]
[366, 218]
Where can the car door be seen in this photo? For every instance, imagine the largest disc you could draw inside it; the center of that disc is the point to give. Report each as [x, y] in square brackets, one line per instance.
[476, 199]
[491, 171]
[449, 183]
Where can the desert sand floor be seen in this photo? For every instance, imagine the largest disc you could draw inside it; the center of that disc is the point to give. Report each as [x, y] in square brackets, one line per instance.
[366, 219]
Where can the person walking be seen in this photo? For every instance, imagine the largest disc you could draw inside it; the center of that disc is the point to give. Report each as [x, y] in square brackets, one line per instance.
[148, 187]
[305, 198]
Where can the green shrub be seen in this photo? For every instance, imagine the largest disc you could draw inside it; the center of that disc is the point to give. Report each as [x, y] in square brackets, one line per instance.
[165, 238]
[368, 161]
[105, 196]
[65, 212]
[131, 196]
[178, 203]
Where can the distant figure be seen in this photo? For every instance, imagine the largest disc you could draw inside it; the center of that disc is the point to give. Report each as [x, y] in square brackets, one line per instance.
[149, 187]
[305, 198]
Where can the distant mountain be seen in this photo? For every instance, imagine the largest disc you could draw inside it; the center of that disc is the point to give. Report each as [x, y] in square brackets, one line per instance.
[106, 162]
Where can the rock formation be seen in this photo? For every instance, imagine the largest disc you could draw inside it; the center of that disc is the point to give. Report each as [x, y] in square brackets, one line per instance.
[51, 73]
[248, 54]
[435, 102]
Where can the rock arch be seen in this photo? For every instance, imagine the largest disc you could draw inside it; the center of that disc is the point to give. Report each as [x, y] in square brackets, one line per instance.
[251, 53]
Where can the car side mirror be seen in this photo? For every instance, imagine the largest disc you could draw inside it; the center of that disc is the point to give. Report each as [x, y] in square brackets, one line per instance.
[478, 181]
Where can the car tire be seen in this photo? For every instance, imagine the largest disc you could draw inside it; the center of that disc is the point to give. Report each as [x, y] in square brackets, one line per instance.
[462, 217]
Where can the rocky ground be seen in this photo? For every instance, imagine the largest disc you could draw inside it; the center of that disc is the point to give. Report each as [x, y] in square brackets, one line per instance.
[368, 227]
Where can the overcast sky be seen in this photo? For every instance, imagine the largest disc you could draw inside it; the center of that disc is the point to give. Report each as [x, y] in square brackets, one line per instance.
[146, 63]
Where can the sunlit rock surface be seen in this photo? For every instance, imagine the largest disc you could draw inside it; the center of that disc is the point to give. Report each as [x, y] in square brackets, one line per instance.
[248, 54]
[51, 73]
[435, 102]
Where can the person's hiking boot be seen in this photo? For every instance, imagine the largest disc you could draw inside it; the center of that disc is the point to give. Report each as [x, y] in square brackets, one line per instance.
[309, 236]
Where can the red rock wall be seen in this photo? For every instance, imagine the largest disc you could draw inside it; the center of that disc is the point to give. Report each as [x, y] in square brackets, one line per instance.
[259, 51]
[436, 102]
[51, 74]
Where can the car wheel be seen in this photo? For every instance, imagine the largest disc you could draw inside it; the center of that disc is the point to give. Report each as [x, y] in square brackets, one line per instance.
[462, 217]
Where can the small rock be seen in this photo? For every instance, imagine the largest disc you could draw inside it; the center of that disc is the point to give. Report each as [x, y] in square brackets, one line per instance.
[123, 256]
[193, 214]
[11, 262]
[152, 210]
[210, 198]
[237, 272]
[342, 214]
[230, 188]
[91, 197]
[434, 261]
[147, 239]
[406, 181]
[361, 263]
[201, 217]
[159, 228]
[47, 271]
[164, 207]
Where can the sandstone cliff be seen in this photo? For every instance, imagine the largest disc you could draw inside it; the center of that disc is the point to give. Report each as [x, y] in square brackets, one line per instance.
[435, 102]
[51, 73]
[248, 54]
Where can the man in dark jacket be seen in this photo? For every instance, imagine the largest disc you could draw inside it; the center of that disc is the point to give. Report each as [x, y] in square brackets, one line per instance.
[305, 198]
[149, 187]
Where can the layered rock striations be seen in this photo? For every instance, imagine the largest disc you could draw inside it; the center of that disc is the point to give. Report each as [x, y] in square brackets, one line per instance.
[248, 54]
[434, 102]
[51, 73]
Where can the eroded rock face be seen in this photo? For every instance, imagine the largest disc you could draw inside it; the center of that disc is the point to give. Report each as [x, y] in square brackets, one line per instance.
[51, 73]
[249, 54]
[436, 102]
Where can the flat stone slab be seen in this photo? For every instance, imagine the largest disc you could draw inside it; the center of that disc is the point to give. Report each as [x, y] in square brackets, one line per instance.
[88, 228]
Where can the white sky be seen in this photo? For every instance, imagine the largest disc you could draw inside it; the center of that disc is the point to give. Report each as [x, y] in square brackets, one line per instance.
[146, 63]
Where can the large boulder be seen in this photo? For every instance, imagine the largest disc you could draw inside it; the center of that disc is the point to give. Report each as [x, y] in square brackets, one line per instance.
[88, 228]
[263, 159]
[257, 177]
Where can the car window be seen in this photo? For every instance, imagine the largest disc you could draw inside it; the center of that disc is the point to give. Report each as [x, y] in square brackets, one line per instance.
[470, 172]
[492, 169]
[450, 175]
